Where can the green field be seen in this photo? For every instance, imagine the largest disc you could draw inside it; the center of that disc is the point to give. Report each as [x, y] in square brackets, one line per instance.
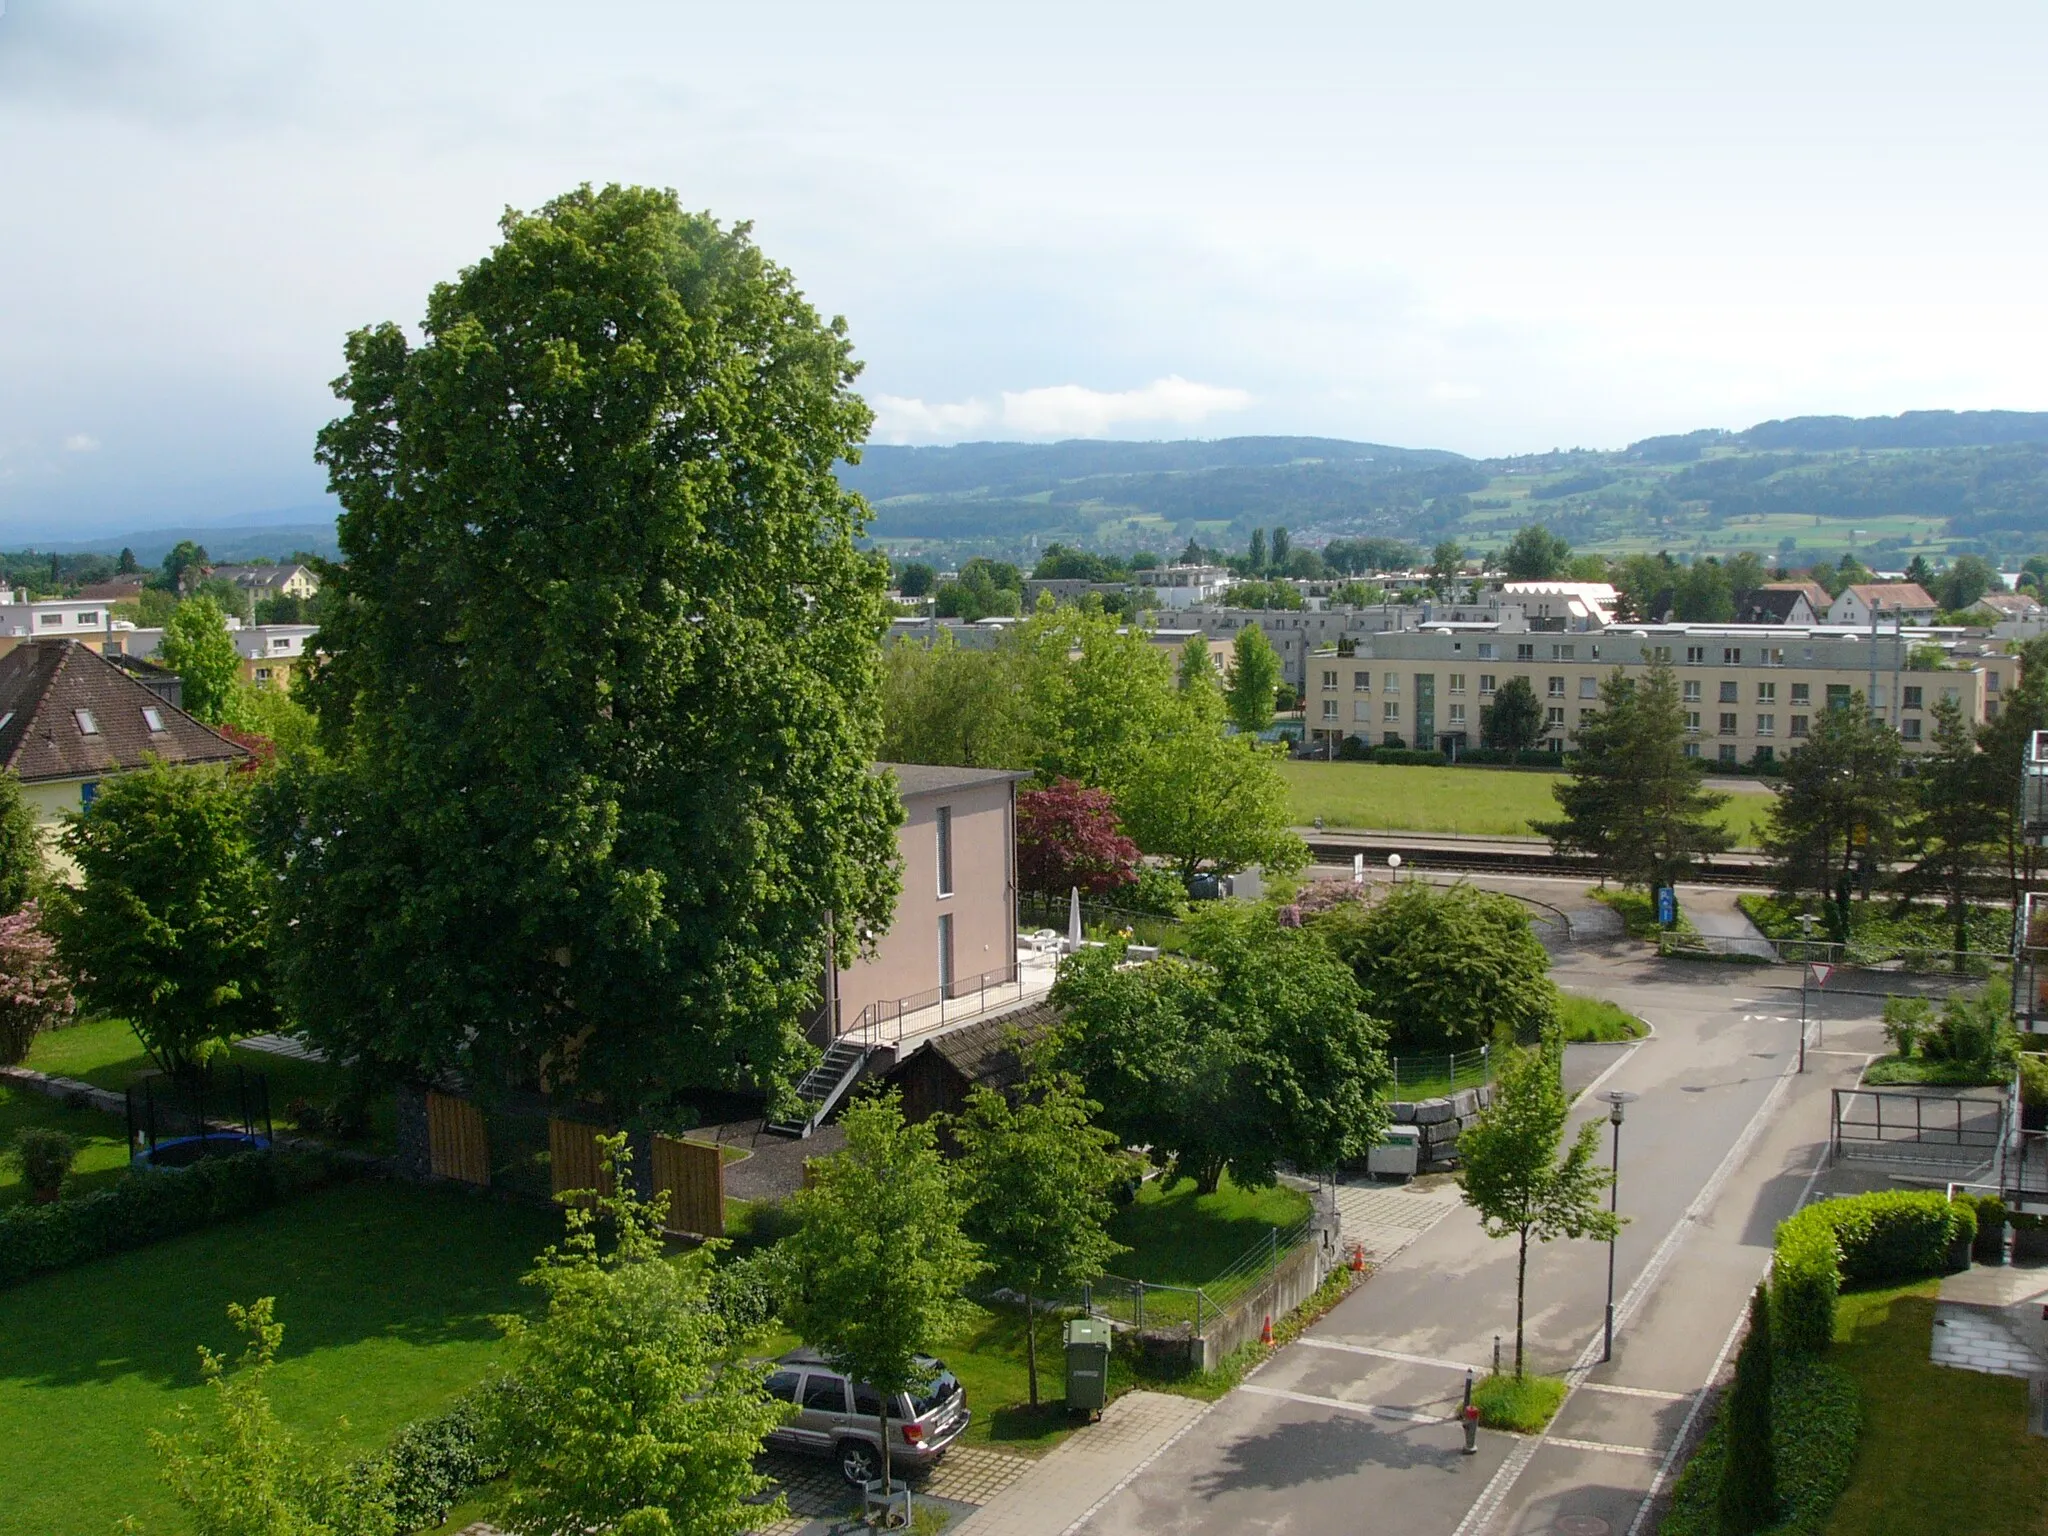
[1480, 802]
[386, 1294]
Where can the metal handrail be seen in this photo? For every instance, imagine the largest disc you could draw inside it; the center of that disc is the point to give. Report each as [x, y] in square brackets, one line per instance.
[870, 1024]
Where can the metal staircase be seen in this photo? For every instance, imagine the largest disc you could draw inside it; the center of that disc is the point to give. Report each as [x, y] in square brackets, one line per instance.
[825, 1085]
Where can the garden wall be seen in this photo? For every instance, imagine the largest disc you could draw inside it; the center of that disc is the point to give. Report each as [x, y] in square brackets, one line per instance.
[1293, 1280]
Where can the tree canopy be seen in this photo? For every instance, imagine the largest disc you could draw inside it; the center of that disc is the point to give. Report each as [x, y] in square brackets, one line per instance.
[198, 647]
[1068, 839]
[1535, 554]
[1254, 677]
[1513, 722]
[600, 684]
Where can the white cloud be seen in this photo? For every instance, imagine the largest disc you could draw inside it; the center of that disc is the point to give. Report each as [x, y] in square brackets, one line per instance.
[81, 442]
[1058, 410]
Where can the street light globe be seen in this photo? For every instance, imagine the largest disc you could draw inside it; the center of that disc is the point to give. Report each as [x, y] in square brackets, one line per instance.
[1617, 1101]
[1393, 861]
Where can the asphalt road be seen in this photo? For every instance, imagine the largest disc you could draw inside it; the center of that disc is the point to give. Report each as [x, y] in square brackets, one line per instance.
[1351, 1429]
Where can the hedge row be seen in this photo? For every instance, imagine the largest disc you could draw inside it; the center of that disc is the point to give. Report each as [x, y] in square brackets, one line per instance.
[1815, 1419]
[150, 1205]
[1858, 1240]
[433, 1464]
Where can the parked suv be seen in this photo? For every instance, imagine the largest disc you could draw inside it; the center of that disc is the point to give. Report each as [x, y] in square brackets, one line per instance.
[836, 1416]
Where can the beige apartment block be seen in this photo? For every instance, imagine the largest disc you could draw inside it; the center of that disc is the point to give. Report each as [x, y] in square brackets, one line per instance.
[1747, 690]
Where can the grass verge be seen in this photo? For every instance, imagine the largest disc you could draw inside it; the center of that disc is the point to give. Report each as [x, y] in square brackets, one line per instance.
[1524, 1404]
[103, 1142]
[1638, 914]
[386, 1293]
[1900, 1071]
[1596, 1019]
[1889, 930]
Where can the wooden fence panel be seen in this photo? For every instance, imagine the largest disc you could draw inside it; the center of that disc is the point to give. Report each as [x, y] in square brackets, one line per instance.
[457, 1146]
[574, 1156]
[693, 1174]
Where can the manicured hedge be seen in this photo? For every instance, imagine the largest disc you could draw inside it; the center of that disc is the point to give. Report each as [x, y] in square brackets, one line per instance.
[1815, 1419]
[150, 1205]
[1858, 1240]
[434, 1464]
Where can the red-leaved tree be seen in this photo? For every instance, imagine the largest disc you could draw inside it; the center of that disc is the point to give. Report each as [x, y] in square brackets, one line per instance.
[1067, 836]
[35, 990]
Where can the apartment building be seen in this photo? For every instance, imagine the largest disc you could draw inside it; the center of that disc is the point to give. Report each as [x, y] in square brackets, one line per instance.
[270, 652]
[1748, 691]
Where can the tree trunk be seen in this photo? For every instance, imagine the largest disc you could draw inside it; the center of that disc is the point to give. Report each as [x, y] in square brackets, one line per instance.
[1521, 1290]
[882, 1418]
[1031, 1347]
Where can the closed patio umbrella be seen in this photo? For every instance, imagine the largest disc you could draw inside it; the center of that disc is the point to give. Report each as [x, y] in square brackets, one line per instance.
[1074, 920]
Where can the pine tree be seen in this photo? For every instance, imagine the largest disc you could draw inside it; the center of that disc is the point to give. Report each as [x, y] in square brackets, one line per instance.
[1749, 1476]
[1956, 830]
[1841, 798]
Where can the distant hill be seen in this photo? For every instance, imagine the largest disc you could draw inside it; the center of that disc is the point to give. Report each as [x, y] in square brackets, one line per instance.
[222, 544]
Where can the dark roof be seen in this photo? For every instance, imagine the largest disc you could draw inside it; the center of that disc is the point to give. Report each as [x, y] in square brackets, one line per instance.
[987, 1051]
[43, 686]
[923, 779]
[1773, 605]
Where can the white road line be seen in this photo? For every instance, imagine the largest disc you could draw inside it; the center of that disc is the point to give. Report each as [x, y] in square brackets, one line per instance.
[1481, 1514]
[1601, 1445]
[1613, 1067]
[1387, 1354]
[1371, 1410]
[1621, 1391]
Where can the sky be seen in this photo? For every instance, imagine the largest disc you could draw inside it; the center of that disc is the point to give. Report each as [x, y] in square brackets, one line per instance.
[1492, 228]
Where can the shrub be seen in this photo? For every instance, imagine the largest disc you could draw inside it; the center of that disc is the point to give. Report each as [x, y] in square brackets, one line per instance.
[1815, 1418]
[1857, 1240]
[1988, 1247]
[1155, 890]
[2034, 1081]
[45, 1156]
[35, 989]
[1906, 1019]
[745, 1293]
[152, 1204]
[1749, 1477]
[432, 1464]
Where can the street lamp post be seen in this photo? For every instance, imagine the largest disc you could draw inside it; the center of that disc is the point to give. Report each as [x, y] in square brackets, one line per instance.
[1805, 975]
[1394, 865]
[1617, 1101]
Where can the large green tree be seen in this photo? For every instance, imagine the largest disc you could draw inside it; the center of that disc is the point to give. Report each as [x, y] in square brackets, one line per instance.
[1254, 676]
[22, 872]
[1448, 967]
[166, 926]
[1515, 1177]
[876, 1266]
[628, 1404]
[198, 647]
[1634, 799]
[1535, 554]
[2005, 742]
[1513, 722]
[1251, 1048]
[599, 679]
[1036, 1175]
[1841, 799]
[1956, 829]
[943, 703]
[1203, 800]
[1097, 693]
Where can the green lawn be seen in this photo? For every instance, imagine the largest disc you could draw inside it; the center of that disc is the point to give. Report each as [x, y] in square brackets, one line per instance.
[385, 1291]
[1497, 802]
[1941, 1449]
[1179, 1237]
[1594, 1018]
[103, 1152]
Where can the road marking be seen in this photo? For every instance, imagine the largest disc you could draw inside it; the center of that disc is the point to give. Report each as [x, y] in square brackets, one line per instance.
[1613, 1067]
[1608, 1386]
[1371, 1410]
[1601, 1445]
[1481, 1514]
[1387, 1354]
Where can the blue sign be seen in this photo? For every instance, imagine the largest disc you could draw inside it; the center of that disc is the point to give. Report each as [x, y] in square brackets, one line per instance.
[1667, 906]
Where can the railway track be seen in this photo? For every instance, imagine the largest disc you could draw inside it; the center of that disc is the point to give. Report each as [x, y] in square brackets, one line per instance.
[1328, 849]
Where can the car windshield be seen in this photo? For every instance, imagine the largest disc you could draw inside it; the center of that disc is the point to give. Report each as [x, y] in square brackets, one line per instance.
[938, 1392]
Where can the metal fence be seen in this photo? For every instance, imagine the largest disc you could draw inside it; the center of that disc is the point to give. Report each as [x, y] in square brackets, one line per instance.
[1434, 1076]
[1900, 1125]
[1150, 1306]
[1911, 959]
[885, 1022]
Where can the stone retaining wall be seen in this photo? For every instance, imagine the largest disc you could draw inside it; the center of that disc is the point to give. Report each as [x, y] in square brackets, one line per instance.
[1442, 1121]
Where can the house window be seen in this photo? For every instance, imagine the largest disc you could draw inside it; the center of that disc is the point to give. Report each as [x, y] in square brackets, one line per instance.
[87, 616]
[1798, 726]
[1390, 710]
[1838, 695]
[1692, 691]
[1727, 756]
[1731, 655]
[1457, 683]
[1773, 656]
[1486, 650]
[1951, 696]
[1912, 700]
[1767, 693]
[153, 718]
[1362, 710]
[1991, 682]
[1391, 683]
[1525, 652]
[1553, 719]
[1330, 677]
[280, 642]
[1909, 730]
[1563, 653]
[945, 824]
[1329, 709]
[1695, 655]
[1586, 715]
[1730, 692]
[263, 674]
[946, 953]
[1802, 693]
[1589, 687]
[1727, 725]
[1692, 722]
[87, 726]
[1457, 714]
[1361, 682]
[1764, 754]
[1486, 685]
[1556, 688]
[52, 618]
[1661, 654]
[1767, 725]
[1692, 749]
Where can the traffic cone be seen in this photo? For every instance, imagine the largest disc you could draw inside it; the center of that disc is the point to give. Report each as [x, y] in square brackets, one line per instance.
[1266, 1333]
[1358, 1258]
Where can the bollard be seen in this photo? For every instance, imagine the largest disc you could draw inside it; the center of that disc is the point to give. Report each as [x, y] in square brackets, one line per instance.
[1468, 1391]
[1496, 1354]
[1471, 1429]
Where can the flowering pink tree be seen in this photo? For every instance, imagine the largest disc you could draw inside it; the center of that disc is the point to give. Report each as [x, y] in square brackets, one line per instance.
[35, 991]
[1067, 836]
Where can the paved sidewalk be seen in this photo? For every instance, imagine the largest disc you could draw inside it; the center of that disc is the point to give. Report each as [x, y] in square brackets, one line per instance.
[1385, 1218]
[1089, 1466]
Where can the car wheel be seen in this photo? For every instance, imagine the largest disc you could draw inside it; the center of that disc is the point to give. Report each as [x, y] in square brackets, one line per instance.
[859, 1462]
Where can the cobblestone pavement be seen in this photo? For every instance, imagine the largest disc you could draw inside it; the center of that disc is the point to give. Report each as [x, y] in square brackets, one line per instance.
[967, 1474]
[1977, 1339]
[1387, 1218]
